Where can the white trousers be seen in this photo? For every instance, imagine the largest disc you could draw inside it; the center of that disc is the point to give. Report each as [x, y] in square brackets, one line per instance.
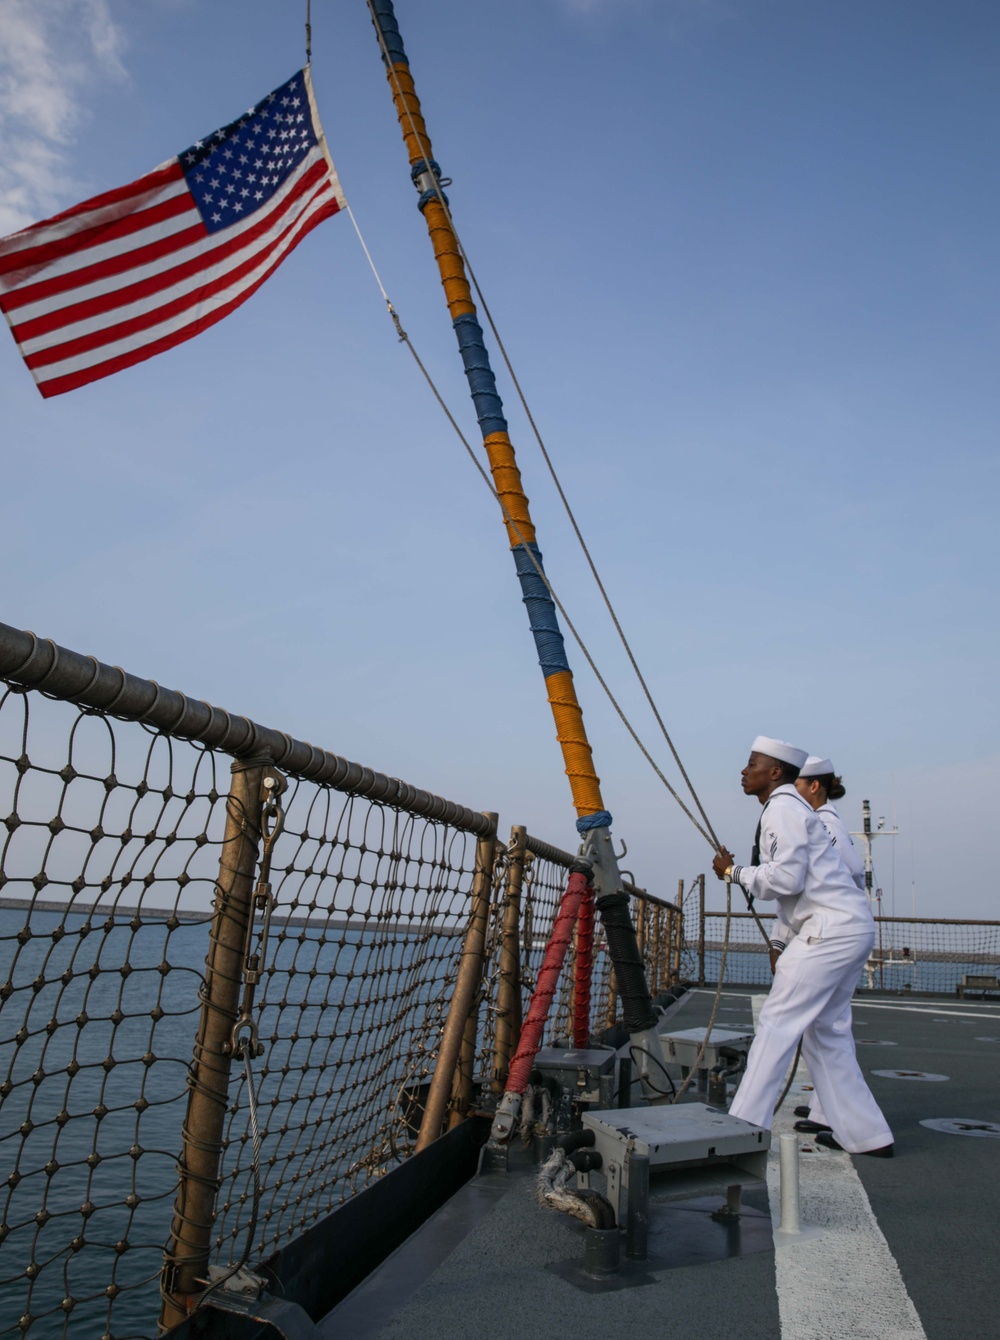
[810, 999]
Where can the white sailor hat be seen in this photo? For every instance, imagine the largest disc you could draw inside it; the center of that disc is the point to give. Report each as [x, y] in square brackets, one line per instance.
[779, 749]
[816, 767]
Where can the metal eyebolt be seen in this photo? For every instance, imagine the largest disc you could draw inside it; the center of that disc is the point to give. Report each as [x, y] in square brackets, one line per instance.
[248, 1026]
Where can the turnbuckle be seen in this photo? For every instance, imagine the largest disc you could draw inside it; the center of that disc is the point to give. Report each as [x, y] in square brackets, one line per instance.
[272, 821]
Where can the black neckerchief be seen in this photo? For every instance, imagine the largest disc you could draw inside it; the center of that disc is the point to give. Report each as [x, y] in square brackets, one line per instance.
[755, 851]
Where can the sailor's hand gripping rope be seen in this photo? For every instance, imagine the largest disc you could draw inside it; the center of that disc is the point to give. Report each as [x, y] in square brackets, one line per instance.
[722, 864]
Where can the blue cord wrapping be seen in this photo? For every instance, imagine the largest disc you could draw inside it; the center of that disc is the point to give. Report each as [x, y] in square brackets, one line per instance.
[602, 819]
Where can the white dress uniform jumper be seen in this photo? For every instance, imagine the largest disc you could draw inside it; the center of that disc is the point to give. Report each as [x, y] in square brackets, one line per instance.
[851, 857]
[843, 841]
[826, 925]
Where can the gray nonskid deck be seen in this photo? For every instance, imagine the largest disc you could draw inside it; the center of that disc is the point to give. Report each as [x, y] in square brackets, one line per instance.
[493, 1282]
[936, 1202]
[478, 1267]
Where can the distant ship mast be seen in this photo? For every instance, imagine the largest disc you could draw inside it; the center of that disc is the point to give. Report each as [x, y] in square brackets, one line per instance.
[867, 837]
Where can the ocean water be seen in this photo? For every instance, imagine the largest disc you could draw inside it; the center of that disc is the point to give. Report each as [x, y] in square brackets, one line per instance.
[936, 972]
[71, 1047]
[95, 1042]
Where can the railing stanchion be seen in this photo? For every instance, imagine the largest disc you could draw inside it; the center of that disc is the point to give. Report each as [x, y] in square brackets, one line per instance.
[508, 1016]
[654, 967]
[676, 936]
[186, 1257]
[462, 1083]
[583, 967]
[467, 985]
[701, 930]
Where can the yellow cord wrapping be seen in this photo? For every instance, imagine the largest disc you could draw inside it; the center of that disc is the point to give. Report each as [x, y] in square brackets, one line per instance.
[570, 733]
[449, 259]
[507, 482]
[443, 240]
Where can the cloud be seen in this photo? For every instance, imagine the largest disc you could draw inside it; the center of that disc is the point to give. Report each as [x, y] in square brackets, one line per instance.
[45, 71]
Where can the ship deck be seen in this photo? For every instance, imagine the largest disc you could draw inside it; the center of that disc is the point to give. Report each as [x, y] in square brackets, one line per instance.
[896, 1249]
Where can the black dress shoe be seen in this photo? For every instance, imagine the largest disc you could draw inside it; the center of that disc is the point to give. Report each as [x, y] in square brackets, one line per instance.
[811, 1127]
[827, 1139]
[801, 1111]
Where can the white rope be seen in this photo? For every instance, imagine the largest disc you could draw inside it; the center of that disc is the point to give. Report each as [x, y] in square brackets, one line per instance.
[405, 339]
[718, 997]
[569, 623]
[368, 256]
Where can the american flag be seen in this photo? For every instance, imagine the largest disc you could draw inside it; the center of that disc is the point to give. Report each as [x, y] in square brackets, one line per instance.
[135, 271]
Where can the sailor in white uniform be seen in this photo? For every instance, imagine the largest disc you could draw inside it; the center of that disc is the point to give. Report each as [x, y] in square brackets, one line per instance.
[825, 932]
[818, 783]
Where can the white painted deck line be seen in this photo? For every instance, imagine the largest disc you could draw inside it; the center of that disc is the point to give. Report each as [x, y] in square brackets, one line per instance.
[843, 1284]
[921, 1009]
[726, 995]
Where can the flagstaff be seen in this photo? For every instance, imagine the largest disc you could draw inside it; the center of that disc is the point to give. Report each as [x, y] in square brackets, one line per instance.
[593, 820]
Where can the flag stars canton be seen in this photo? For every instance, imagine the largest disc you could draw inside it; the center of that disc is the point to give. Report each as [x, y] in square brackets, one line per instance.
[237, 169]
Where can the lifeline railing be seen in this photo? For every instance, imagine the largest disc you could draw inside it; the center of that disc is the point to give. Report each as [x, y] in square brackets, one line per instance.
[536, 877]
[242, 978]
[922, 954]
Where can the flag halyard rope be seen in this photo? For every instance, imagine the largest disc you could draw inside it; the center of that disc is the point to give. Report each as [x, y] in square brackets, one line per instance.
[707, 831]
[405, 339]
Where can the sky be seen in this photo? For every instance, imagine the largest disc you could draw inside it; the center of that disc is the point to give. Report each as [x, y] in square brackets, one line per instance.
[743, 259]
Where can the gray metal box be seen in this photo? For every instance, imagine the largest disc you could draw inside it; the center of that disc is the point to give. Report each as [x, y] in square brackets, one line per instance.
[691, 1146]
[588, 1073]
[683, 1046]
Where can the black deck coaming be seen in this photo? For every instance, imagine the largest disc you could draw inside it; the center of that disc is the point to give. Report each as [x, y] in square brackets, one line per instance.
[320, 1267]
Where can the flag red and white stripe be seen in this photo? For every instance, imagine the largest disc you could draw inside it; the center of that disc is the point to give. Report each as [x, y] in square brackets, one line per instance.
[137, 270]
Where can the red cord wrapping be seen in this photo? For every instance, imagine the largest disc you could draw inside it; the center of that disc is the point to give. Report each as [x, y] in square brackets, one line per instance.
[545, 988]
